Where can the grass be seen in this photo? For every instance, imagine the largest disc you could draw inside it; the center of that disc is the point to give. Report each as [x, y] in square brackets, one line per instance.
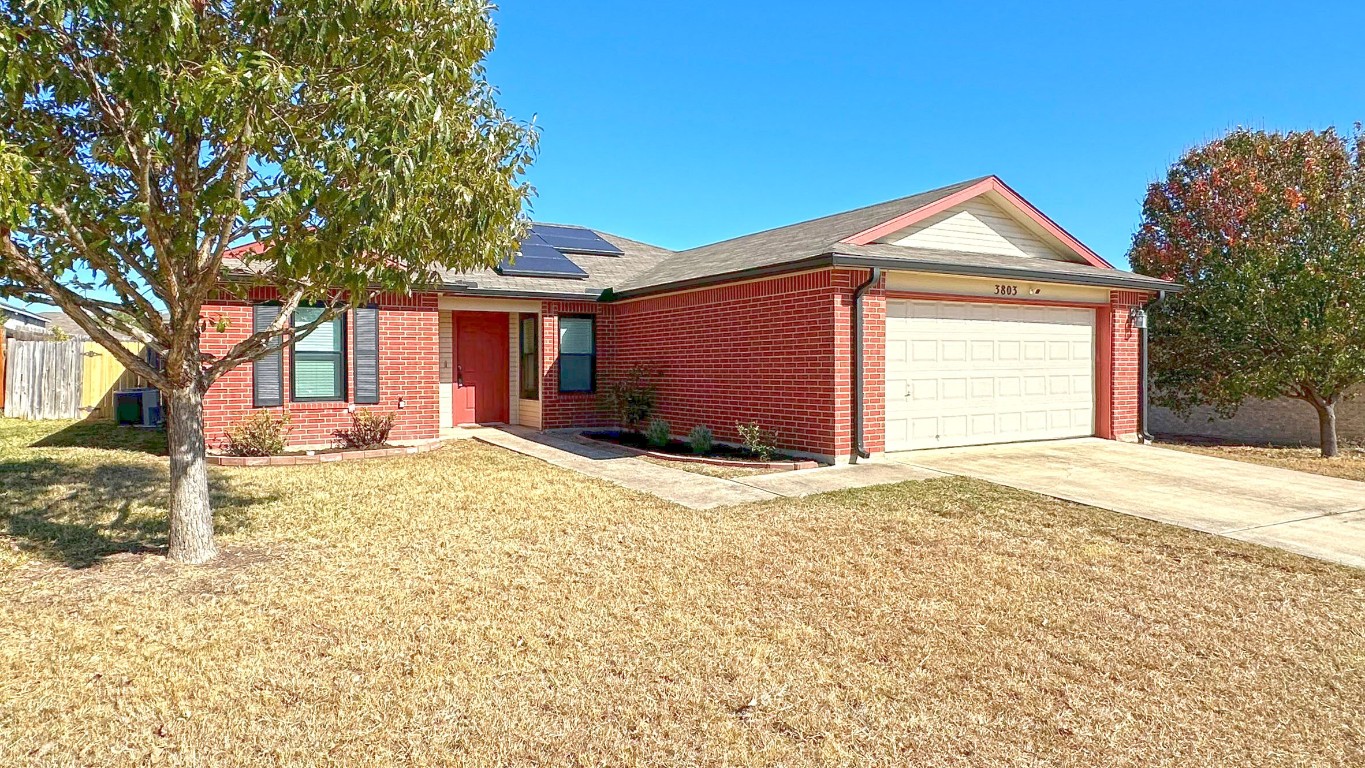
[710, 470]
[475, 607]
[1349, 465]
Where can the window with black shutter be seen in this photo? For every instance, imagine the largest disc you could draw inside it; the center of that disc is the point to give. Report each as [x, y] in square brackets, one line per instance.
[366, 355]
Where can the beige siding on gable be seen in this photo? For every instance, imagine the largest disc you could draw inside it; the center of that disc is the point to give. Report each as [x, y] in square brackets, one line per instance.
[976, 226]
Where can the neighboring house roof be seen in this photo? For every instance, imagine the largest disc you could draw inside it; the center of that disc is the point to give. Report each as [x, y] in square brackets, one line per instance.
[67, 325]
[22, 316]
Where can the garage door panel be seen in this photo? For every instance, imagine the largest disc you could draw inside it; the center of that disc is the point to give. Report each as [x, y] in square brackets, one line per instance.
[982, 373]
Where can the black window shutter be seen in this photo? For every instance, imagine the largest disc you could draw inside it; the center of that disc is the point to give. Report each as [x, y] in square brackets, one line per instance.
[367, 355]
[267, 386]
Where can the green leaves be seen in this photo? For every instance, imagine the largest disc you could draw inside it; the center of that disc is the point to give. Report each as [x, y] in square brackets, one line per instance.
[358, 141]
[1267, 232]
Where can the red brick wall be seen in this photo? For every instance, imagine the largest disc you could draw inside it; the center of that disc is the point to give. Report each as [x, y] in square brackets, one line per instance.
[1122, 366]
[874, 362]
[760, 351]
[408, 368]
[572, 409]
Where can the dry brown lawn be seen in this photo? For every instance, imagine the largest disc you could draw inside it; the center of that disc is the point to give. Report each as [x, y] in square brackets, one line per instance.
[1349, 465]
[475, 607]
[710, 470]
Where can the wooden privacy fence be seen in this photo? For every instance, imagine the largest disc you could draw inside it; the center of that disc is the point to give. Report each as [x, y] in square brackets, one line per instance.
[63, 379]
[43, 379]
[104, 375]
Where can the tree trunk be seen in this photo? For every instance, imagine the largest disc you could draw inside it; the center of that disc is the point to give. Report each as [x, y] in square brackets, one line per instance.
[191, 535]
[1327, 428]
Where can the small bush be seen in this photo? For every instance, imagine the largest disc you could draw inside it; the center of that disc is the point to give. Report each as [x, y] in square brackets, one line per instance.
[757, 440]
[631, 398]
[367, 430]
[257, 434]
[701, 439]
[657, 433]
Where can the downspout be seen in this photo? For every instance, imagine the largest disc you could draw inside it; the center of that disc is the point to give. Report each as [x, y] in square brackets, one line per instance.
[860, 446]
[1144, 436]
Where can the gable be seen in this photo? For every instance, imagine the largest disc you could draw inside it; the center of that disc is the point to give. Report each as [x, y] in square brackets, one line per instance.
[976, 226]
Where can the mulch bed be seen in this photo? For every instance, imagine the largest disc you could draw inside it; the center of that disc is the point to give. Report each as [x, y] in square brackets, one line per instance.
[321, 456]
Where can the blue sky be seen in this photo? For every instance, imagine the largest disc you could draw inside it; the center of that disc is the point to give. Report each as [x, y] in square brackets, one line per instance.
[685, 123]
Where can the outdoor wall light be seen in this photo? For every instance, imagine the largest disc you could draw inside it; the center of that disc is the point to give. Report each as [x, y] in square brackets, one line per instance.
[402, 403]
[1138, 316]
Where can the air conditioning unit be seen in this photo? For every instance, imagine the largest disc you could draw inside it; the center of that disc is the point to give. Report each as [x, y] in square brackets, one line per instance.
[138, 407]
[151, 408]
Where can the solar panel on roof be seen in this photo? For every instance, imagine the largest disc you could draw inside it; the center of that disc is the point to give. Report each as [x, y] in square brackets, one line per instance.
[537, 258]
[575, 239]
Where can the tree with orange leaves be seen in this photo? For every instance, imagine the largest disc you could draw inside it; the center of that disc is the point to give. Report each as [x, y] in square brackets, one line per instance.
[1267, 233]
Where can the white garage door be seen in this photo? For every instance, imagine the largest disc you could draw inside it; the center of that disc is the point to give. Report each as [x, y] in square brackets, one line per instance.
[967, 374]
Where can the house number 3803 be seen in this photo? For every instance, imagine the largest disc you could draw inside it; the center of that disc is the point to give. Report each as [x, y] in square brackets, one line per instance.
[1006, 290]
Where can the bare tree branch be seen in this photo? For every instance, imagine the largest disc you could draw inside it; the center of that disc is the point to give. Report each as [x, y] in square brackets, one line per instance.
[126, 290]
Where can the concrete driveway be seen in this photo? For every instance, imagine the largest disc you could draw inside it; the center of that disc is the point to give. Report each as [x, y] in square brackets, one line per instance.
[1318, 516]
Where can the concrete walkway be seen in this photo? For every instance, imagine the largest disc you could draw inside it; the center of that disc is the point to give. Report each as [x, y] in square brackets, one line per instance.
[1314, 515]
[689, 489]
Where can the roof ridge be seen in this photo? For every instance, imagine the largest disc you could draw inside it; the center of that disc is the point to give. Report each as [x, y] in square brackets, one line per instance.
[940, 191]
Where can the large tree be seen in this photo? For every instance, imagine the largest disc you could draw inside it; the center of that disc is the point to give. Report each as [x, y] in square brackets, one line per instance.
[1267, 232]
[357, 143]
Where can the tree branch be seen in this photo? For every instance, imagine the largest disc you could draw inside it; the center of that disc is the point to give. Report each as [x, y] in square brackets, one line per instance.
[76, 307]
[260, 343]
[155, 325]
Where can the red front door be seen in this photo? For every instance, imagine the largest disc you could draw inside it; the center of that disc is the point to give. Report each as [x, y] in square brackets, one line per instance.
[480, 367]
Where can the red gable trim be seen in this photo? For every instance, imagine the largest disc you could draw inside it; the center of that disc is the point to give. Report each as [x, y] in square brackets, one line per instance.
[991, 184]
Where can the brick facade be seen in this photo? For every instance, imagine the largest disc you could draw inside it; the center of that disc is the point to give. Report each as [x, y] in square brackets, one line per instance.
[1117, 385]
[778, 351]
[408, 370]
[761, 351]
[1274, 422]
[573, 409]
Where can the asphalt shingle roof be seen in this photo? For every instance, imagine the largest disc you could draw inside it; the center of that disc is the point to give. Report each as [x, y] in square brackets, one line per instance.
[783, 244]
[645, 268]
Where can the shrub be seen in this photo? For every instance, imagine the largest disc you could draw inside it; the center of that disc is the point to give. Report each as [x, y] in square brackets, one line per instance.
[757, 440]
[657, 434]
[701, 439]
[367, 430]
[257, 434]
[631, 398]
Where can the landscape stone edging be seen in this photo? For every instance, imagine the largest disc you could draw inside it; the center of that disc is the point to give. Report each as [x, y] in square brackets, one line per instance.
[735, 463]
[321, 458]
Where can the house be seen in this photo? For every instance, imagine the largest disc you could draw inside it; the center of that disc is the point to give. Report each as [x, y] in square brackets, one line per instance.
[1281, 421]
[957, 316]
[21, 320]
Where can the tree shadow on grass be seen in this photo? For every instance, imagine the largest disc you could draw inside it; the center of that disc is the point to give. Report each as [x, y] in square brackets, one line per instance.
[107, 436]
[79, 512]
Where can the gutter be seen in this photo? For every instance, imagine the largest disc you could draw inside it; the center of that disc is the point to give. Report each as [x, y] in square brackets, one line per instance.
[893, 264]
[1135, 282]
[1144, 436]
[860, 446]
